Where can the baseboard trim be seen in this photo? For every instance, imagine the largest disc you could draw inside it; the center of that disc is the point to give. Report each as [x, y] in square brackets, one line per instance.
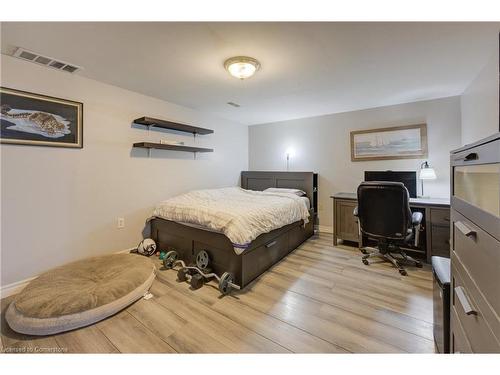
[14, 288]
[324, 229]
[126, 250]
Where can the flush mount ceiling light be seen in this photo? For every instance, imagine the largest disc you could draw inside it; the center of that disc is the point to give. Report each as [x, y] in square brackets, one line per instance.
[241, 67]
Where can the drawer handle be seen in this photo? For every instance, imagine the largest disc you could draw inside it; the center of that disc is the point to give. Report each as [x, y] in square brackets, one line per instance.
[466, 231]
[464, 301]
[271, 244]
[471, 156]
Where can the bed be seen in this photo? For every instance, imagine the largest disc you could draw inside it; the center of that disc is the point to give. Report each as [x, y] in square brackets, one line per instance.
[259, 254]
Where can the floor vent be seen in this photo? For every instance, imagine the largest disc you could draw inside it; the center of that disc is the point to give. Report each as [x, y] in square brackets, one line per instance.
[50, 62]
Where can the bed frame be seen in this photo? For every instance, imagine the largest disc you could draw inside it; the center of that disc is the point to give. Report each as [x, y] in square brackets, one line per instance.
[263, 252]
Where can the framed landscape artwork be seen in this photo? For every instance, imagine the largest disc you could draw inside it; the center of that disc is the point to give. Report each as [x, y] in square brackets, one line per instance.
[401, 142]
[33, 119]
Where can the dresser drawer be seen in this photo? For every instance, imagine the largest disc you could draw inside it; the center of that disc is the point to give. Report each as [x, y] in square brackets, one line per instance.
[264, 256]
[458, 339]
[480, 253]
[440, 216]
[482, 154]
[478, 319]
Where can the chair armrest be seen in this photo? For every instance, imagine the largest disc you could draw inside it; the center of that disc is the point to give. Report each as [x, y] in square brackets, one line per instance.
[416, 218]
[416, 221]
[355, 212]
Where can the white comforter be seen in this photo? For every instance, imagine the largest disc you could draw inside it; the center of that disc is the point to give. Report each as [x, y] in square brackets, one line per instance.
[242, 215]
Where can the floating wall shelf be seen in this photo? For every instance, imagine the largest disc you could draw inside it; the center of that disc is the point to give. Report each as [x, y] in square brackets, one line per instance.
[162, 146]
[165, 124]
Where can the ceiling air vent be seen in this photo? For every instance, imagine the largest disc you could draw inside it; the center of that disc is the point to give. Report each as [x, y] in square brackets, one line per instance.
[24, 54]
[233, 104]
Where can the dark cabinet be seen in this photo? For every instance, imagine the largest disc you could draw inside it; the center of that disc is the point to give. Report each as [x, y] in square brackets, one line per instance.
[346, 224]
[441, 303]
[440, 241]
[439, 232]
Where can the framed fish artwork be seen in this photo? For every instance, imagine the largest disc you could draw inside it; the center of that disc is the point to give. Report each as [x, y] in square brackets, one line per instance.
[39, 120]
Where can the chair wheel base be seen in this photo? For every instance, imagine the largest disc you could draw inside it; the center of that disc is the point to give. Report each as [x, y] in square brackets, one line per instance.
[365, 262]
[403, 272]
[419, 265]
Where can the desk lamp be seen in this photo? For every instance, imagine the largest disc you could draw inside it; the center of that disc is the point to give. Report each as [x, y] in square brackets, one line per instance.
[426, 173]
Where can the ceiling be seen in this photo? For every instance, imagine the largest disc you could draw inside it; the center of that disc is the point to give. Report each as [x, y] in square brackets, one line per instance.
[308, 69]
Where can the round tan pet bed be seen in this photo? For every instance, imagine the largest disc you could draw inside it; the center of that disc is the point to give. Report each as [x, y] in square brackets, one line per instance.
[80, 293]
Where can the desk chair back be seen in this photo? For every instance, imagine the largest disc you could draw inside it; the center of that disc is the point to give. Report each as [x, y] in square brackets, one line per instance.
[384, 210]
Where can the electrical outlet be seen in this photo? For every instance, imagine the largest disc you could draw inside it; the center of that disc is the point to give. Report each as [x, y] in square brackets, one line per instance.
[121, 223]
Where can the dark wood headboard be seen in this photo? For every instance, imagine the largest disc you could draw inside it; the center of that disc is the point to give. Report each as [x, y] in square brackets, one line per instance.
[261, 180]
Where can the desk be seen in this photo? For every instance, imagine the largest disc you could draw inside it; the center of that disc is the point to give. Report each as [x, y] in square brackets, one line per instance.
[435, 231]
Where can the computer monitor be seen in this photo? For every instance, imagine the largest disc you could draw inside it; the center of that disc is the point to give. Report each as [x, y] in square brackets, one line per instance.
[409, 179]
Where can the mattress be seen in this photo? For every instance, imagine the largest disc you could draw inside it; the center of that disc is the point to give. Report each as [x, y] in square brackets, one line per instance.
[204, 227]
[241, 215]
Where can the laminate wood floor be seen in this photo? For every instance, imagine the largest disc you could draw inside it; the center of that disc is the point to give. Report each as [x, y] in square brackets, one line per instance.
[319, 298]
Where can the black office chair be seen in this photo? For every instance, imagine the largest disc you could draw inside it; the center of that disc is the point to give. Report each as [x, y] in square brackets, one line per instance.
[384, 215]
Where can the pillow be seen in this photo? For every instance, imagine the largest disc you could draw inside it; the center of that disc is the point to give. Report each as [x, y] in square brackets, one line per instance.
[298, 192]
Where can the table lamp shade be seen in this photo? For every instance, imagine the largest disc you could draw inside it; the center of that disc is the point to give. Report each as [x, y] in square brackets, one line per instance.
[427, 174]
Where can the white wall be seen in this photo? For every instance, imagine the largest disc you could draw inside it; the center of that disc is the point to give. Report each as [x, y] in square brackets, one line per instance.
[322, 144]
[60, 205]
[480, 103]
